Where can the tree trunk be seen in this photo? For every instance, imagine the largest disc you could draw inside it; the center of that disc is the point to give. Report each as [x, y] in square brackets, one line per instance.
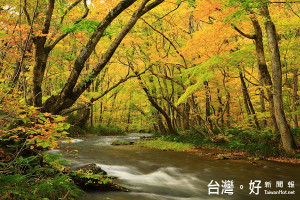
[72, 90]
[294, 99]
[128, 118]
[161, 125]
[262, 100]
[101, 113]
[207, 104]
[111, 111]
[185, 110]
[227, 106]
[288, 141]
[220, 109]
[153, 102]
[83, 116]
[41, 58]
[263, 69]
[247, 101]
[16, 75]
[92, 115]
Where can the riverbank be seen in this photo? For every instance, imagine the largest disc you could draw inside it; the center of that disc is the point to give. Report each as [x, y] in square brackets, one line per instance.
[225, 150]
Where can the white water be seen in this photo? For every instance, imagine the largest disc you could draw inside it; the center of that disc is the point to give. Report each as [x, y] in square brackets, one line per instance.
[159, 175]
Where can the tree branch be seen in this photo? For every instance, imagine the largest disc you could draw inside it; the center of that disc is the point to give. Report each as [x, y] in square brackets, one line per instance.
[91, 44]
[62, 36]
[284, 1]
[80, 88]
[26, 12]
[15, 78]
[250, 81]
[244, 34]
[93, 99]
[169, 78]
[182, 115]
[68, 10]
[170, 11]
[48, 17]
[164, 36]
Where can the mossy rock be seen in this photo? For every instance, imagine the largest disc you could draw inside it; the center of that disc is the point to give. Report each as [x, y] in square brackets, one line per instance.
[91, 167]
[92, 177]
[117, 143]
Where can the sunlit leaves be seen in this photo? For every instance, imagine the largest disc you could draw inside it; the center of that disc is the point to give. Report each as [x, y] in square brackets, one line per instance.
[87, 26]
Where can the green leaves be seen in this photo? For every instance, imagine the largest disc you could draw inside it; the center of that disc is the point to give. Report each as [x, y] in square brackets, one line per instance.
[3, 34]
[242, 9]
[245, 4]
[87, 26]
[191, 3]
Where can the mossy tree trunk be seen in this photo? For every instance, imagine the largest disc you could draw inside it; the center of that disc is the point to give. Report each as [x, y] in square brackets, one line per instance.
[287, 138]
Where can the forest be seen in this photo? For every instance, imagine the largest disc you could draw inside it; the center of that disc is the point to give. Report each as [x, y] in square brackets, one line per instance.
[194, 74]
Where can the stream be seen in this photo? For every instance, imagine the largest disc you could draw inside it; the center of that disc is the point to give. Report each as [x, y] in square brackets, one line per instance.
[166, 175]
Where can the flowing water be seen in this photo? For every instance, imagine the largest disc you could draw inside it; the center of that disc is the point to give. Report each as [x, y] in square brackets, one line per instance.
[165, 175]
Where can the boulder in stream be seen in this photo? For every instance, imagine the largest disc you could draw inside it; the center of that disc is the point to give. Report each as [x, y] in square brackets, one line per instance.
[92, 177]
[92, 167]
[117, 143]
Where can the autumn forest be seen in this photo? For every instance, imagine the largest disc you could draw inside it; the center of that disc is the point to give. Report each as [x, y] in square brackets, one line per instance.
[210, 73]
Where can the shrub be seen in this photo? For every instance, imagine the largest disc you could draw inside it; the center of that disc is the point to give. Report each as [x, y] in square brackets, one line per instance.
[103, 129]
[25, 178]
[24, 172]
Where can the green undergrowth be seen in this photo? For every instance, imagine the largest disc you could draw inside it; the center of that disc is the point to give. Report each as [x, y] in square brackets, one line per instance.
[253, 142]
[161, 143]
[103, 129]
[99, 130]
[35, 178]
[26, 172]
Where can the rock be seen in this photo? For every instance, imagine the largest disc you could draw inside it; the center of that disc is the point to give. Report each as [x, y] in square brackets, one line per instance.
[92, 177]
[117, 143]
[222, 157]
[254, 163]
[91, 167]
[146, 137]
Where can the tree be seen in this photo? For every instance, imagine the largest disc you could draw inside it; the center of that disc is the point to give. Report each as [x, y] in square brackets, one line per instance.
[43, 46]
[262, 65]
[287, 138]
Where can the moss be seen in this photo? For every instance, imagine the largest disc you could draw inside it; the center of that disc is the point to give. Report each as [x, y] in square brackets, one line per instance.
[93, 177]
[165, 145]
[118, 142]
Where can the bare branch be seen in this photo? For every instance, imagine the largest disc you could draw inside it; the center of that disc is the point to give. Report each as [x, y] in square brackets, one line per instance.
[164, 36]
[284, 2]
[68, 10]
[93, 99]
[26, 12]
[244, 34]
[169, 78]
[294, 11]
[170, 11]
[62, 36]
[250, 81]
[23, 52]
